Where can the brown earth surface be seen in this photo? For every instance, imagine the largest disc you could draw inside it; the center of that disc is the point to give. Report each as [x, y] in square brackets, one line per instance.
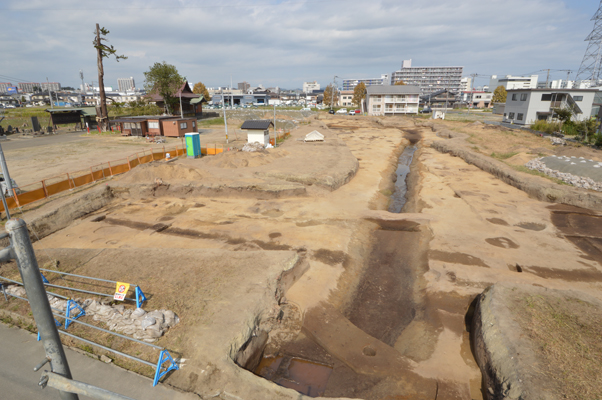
[293, 247]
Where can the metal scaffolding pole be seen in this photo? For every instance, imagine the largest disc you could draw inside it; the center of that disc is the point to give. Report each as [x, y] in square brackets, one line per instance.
[34, 287]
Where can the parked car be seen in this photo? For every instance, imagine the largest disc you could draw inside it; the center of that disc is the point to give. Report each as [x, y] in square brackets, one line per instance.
[426, 110]
[330, 111]
[9, 106]
[342, 111]
[306, 109]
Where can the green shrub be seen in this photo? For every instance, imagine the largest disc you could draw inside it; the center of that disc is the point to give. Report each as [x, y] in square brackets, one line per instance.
[546, 127]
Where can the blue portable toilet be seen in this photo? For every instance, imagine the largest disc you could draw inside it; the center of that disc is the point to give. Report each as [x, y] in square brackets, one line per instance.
[193, 145]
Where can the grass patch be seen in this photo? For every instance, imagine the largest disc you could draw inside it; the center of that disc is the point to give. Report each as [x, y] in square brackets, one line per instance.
[566, 336]
[211, 121]
[503, 156]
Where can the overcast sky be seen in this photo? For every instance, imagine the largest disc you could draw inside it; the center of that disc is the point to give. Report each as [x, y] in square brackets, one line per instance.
[286, 42]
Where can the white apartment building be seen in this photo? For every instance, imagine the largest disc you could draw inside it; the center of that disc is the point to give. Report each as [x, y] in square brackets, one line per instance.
[125, 84]
[428, 79]
[309, 87]
[392, 99]
[465, 84]
[53, 86]
[510, 82]
[525, 106]
[350, 84]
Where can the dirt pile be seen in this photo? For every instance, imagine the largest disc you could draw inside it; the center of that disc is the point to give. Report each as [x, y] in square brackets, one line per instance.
[517, 327]
[243, 159]
[167, 172]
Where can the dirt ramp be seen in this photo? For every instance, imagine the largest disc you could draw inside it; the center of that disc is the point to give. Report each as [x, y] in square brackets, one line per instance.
[531, 342]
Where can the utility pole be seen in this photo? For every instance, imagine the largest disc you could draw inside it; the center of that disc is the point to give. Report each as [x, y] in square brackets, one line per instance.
[333, 90]
[275, 137]
[547, 78]
[225, 120]
[49, 93]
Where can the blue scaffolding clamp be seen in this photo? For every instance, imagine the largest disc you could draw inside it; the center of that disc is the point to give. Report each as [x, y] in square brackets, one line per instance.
[58, 325]
[164, 356]
[44, 278]
[72, 305]
[140, 297]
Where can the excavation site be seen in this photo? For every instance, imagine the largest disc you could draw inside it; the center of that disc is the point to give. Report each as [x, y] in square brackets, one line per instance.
[397, 258]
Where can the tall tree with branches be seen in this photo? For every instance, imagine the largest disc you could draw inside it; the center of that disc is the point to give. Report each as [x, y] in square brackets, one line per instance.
[163, 79]
[103, 51]
[331, 96]
[199, 88]
[359, 93]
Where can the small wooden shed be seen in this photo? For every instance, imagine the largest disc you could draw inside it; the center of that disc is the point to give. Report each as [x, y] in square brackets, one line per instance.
[258, 130]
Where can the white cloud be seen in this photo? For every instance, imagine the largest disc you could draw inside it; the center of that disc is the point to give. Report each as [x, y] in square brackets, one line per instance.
[289, 41]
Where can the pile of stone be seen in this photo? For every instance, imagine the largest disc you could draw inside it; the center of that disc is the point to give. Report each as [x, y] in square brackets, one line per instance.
[142, 325]
[578, 181]
[251, 147]
[558, 141]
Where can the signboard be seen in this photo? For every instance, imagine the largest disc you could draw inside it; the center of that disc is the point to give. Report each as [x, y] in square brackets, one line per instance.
[121, 288]
[11, 90]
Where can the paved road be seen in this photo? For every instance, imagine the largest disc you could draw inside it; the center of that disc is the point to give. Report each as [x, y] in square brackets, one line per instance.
[17, 143]
[20, 352]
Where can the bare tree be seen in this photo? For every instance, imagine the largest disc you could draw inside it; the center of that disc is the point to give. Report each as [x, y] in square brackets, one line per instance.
[103, 51]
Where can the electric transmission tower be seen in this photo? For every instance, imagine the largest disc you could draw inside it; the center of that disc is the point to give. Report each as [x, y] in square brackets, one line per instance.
[591, 65]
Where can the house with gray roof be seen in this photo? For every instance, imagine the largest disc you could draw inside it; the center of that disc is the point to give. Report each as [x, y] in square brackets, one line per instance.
[392, 99]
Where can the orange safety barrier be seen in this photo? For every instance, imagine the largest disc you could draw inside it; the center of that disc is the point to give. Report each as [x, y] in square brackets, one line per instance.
[211, 151]
[51, 186]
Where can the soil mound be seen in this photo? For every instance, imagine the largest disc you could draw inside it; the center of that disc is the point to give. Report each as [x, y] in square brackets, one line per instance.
[241, 159]
[148, 173]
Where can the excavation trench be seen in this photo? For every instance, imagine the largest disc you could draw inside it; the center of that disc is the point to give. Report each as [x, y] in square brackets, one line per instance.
[385, 302]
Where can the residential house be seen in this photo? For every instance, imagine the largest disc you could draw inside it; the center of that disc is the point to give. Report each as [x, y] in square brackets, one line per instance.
[525, 106]
[184, 95]
[477, 98]
[392, 99]
[346, 98]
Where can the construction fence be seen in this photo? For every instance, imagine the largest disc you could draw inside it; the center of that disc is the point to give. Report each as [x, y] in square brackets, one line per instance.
[69, 181]
[280, 136]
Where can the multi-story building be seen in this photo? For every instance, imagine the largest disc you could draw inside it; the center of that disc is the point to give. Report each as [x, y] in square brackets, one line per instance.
[428, 79]
[125, 84]
[350, 84]
[309, 87]
[465, 84]
[392, 100]
[510, 82]
[525, 106]
[346, 98]
[244, 86]
[52, 86]
[28, 87]
[4, 86]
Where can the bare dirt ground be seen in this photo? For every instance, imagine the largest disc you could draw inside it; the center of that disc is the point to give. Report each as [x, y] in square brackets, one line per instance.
[293, 247]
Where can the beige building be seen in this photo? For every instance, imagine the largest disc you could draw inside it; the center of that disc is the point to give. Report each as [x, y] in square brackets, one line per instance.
[346, 98]
[392, 100]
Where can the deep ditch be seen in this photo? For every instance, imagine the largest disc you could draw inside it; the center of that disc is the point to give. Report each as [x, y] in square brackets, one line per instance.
[386, 301]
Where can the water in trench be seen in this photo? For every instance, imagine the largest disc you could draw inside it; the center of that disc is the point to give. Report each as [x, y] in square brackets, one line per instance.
[398, 198]
[383, 307]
